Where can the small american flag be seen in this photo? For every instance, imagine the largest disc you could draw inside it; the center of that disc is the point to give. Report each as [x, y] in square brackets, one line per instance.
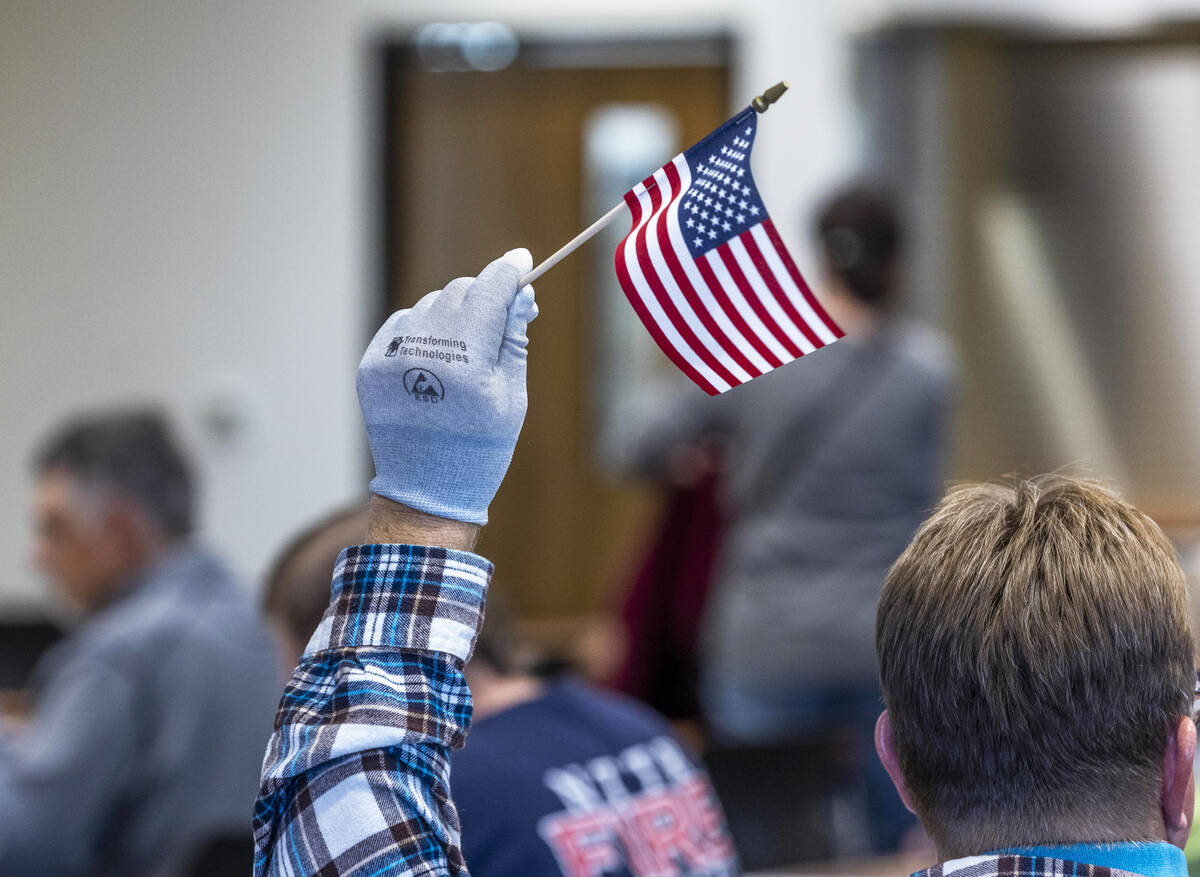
[707, 272]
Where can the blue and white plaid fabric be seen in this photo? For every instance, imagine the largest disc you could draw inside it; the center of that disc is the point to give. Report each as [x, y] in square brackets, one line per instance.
[1008, 865]
[355, 778]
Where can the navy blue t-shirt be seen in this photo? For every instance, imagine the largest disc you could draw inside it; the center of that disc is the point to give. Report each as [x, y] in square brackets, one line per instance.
[585, 783]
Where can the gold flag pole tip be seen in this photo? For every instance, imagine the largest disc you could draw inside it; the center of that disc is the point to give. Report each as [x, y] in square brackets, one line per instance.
[768, 97]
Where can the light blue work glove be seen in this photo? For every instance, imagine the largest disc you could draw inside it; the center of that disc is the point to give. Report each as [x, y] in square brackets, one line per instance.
[442, 392]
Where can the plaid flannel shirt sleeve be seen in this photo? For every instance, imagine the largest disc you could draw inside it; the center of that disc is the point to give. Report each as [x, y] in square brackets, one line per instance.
[355, 778]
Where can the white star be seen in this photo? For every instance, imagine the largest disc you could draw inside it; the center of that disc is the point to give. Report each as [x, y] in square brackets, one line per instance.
[726, 226]
[698, 241]
[704, 214]
[691, 222]
[754, 210]
[728, 211]
[708, 201]
[741, 217]
[712, 159]
[712, 234]
[746, 189]
[748, 130]
[743, 204]
[702, 229]
[741, 171]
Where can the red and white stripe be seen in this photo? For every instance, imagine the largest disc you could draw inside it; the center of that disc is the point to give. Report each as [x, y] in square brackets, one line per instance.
[735, 313]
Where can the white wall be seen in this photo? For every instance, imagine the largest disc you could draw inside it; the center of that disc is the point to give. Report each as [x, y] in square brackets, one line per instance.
[184, 215]
[181, 218]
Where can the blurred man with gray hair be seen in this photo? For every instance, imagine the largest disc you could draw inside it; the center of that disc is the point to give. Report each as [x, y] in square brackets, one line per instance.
[150, 717]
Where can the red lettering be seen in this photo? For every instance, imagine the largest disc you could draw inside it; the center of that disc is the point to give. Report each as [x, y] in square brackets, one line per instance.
[663, 833]
[583, 843]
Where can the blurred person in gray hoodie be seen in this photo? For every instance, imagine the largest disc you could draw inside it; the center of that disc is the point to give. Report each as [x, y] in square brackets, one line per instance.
[829, 466]
[149, 719]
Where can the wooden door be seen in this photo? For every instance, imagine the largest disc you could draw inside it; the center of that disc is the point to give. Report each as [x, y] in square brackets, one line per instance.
[479, 163]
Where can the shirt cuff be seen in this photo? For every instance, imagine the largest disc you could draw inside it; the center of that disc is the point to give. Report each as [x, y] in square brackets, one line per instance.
[409, 597]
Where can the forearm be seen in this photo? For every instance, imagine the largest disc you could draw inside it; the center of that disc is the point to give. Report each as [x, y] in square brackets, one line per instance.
[653, 429]
[392, 523]
[61, 773]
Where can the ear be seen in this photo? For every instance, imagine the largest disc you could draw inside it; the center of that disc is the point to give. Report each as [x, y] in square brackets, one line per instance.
[131, 529]
[885, 746]
[122, 523]
[1179, 782]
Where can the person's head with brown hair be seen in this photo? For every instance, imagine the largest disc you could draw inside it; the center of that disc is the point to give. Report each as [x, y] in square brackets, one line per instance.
[1037, 669]
[297, 588]
[859, 229]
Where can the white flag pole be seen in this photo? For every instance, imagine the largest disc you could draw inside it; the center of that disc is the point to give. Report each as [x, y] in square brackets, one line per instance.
[760, 105]
[573, 244]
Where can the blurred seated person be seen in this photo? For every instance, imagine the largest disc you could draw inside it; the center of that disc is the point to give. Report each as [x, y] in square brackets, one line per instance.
[1038, 674]
[829, 466]
[149, 718]
[556, 776]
